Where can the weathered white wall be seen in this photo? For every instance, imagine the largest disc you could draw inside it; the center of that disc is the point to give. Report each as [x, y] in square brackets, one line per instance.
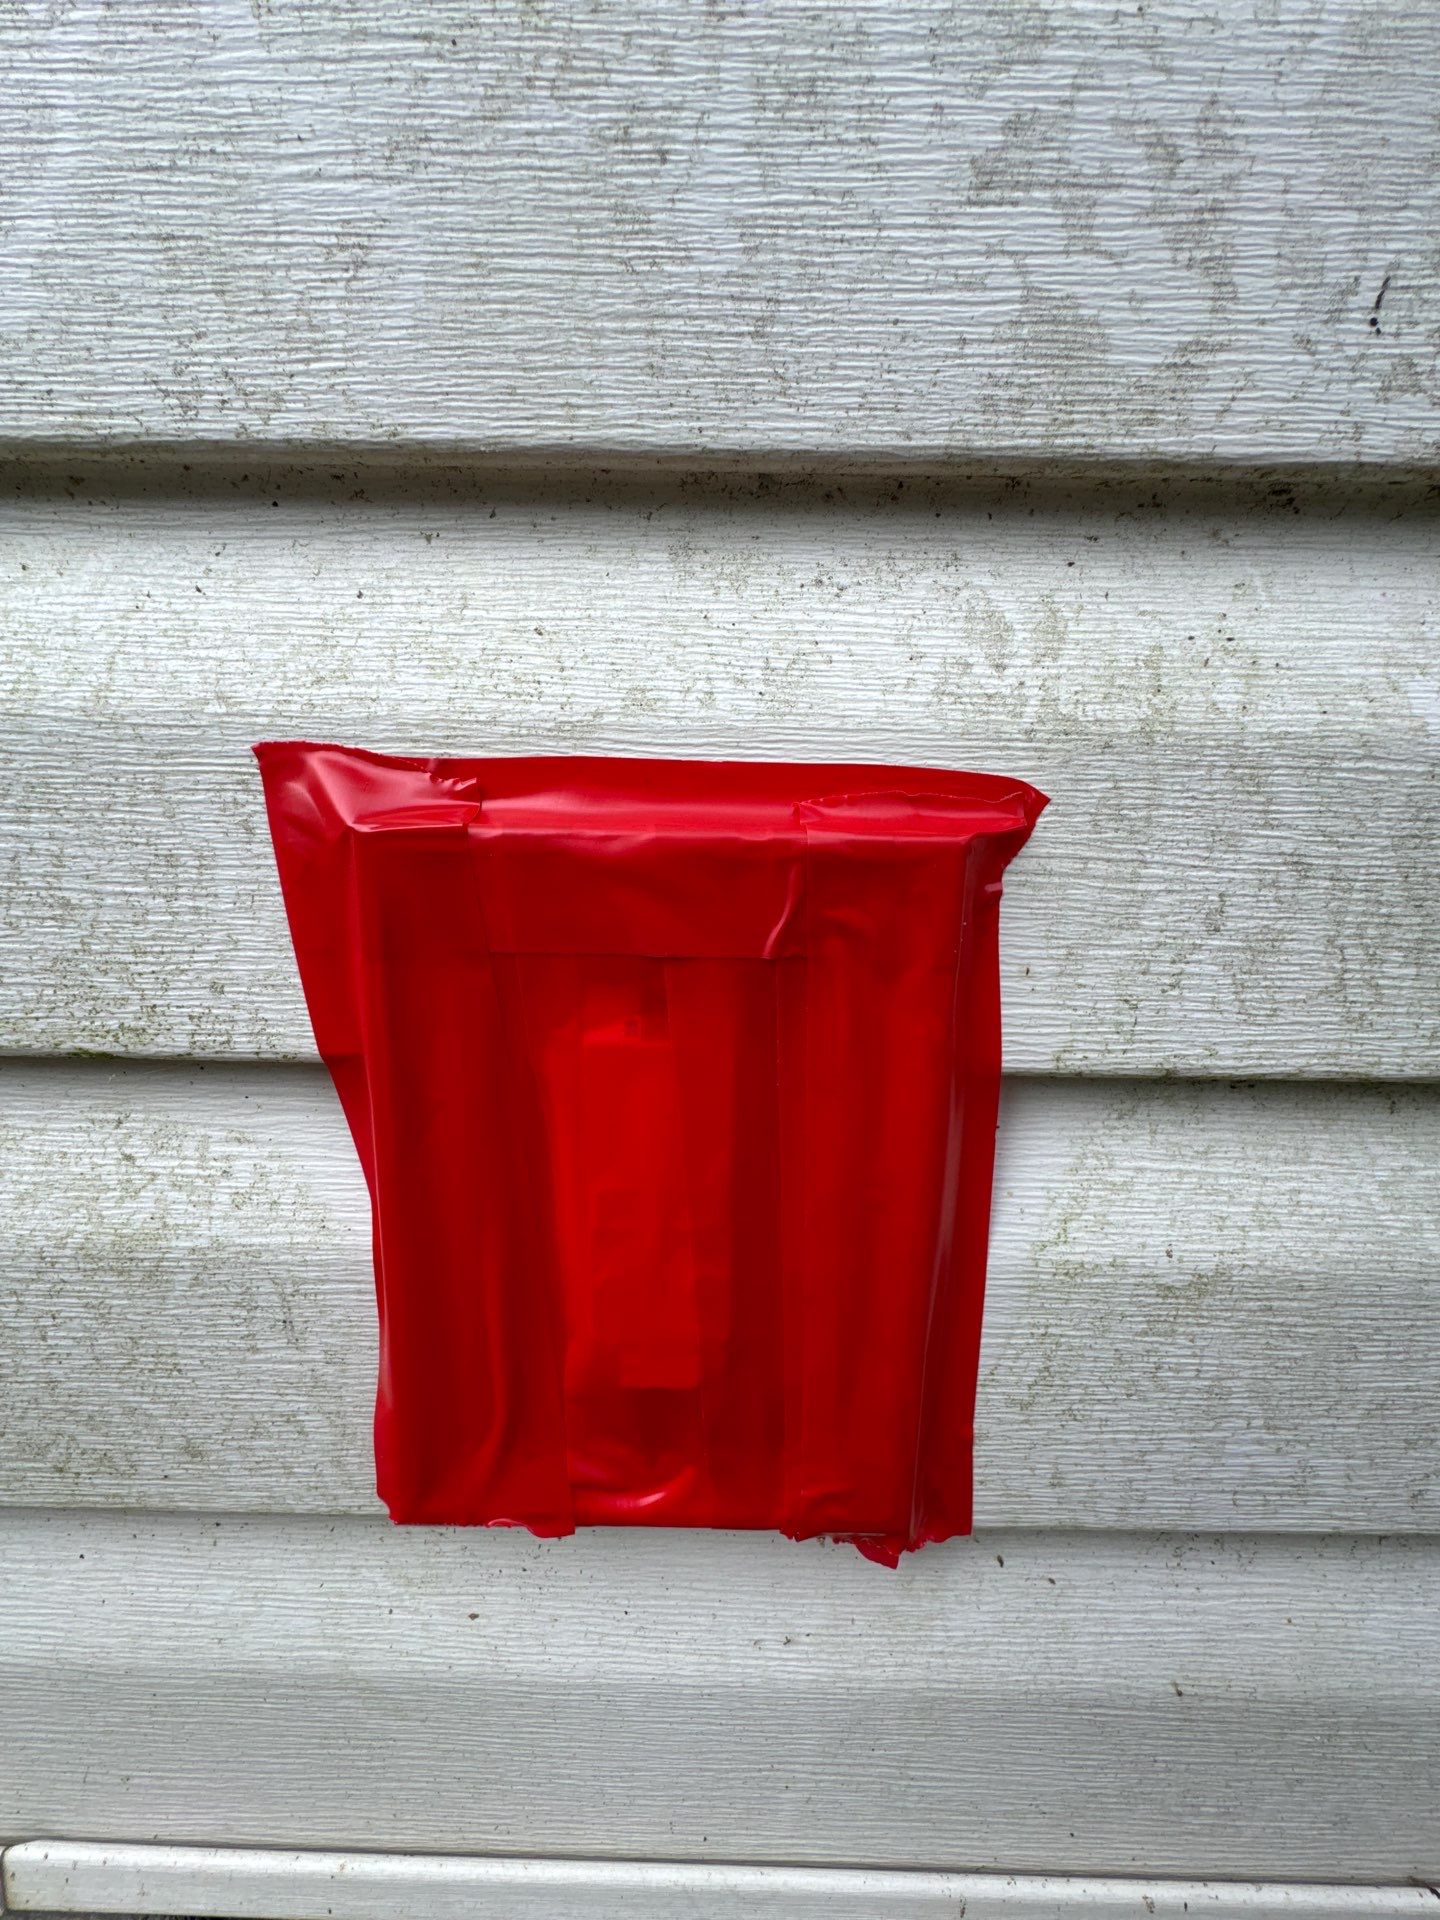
[1232, 694]
[1044, 388]
[1161, 1704]
[1208, 1307]
[871, 228]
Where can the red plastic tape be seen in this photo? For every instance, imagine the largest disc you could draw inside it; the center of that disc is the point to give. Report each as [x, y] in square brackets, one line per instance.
[674, 1083]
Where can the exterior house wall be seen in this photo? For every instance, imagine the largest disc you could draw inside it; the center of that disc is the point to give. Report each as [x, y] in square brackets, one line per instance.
[1043, 388]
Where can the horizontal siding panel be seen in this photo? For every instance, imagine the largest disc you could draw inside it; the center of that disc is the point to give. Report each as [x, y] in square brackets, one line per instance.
[1230, 693]
[1209, 1306]
[258, 1884]
[1255, 1708]
[869, 230]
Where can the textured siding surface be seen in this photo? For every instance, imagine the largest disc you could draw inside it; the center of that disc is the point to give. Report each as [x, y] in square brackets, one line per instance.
[1095, 1702]
[1233, 695]
[1209, 1306]
[867, 229]
[1048, 389]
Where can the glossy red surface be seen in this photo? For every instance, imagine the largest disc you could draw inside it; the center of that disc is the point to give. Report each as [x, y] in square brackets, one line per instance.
[674, 1083]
